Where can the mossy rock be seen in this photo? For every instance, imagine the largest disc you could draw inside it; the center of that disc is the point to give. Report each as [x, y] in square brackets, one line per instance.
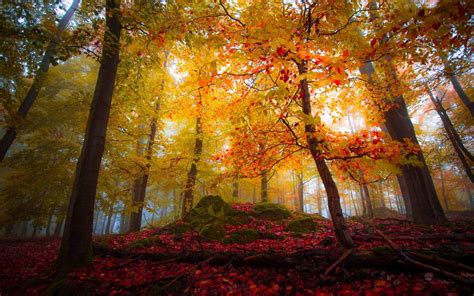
[302, 225]
[242, 236]
[270, 211]
[215, 202]
[213, 231]
[210, 209]
[198, 217]
[144, 243]
[180, 228]
[238, 218]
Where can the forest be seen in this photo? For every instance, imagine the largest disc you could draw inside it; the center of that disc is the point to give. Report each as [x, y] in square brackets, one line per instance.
[236, 147]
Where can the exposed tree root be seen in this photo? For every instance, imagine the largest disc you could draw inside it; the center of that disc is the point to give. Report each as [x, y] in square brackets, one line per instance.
[424, 266]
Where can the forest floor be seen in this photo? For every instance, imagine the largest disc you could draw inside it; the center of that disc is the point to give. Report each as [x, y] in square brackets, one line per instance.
[392, 257]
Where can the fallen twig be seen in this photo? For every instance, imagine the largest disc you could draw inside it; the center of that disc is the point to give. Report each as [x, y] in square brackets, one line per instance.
[424, 266]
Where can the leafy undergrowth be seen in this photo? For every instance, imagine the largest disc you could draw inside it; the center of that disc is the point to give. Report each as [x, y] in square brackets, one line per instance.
[25, 266]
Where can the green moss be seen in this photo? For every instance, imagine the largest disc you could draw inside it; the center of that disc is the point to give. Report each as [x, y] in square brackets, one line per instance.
[270, 211]
[181, 228]
[382, 250]
[144, 243]
[213, 231]
[238, 218]
[302, 225]
[242, 236]
[215, 202]
[210, 209]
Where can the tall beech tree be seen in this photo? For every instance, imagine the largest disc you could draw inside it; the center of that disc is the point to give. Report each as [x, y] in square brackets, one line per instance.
[334, 204]
[76, 247]
[11, 131]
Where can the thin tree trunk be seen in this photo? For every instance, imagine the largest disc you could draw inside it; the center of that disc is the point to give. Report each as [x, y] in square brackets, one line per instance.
[366, 198]
[364, 192]
[388, 196]
[104, 222]
[469, 196]
[114, 219]
[264, 186]
[50, 219]
[76, 248]
[188, 195]
[334, 204]
[11, 132]
[300, 178]
[382, 195]
[443, 189]
[124, 219]
[141, 183]
[468, 103]
[354, 204]
[58, 227]
[362, 199]
[24, 229]
[463, 154]
[109, 219]
[235, 188]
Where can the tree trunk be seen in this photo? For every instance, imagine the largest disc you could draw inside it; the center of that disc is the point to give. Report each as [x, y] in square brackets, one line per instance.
[425, 206]
[405, 195]
[382, 195]
[334, 204]
[235, 188]
[443, 189]
[463, 154]
[104, 223]
[366, 198]
[469, 196]
[50, 219]
[264, 186]
[319, 200]
[139, 191]
[114, 219]
[424, 202]
[76, 248]
[300, 192]
[35, 228]
[109, 219]
[124, 221]
[188, 195]
[457, 85]
[354, 203]
[58, 227]
[362, 198]
[11, 133]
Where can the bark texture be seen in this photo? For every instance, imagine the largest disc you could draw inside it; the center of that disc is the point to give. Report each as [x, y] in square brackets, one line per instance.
[76, 245]
[334, 204]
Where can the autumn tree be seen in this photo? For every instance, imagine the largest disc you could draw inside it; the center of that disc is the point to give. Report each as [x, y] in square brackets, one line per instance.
[76, 243]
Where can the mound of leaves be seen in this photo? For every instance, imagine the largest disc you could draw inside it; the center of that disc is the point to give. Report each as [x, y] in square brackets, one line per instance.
[223, 249]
